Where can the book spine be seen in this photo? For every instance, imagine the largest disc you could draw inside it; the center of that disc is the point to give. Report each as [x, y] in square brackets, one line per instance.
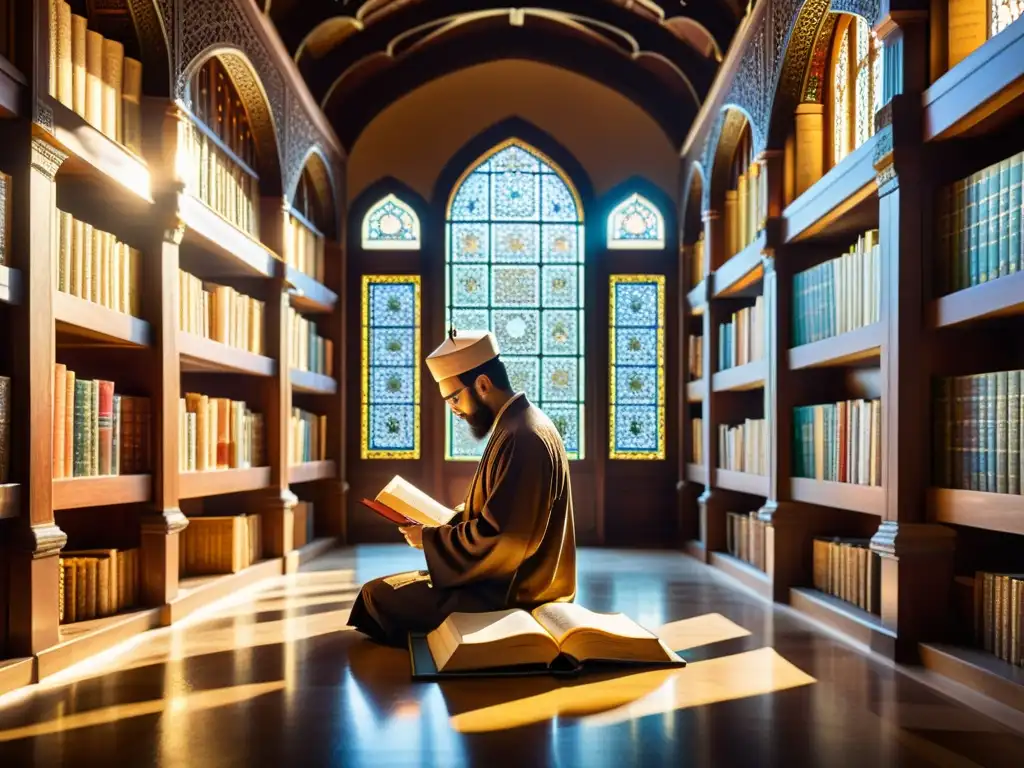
[1013, 432]
[82, 406]
[59, 415]
[104, 426]
[115, 443]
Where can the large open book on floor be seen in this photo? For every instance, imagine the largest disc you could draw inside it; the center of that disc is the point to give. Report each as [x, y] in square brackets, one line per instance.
[403, 503]
[556, 638]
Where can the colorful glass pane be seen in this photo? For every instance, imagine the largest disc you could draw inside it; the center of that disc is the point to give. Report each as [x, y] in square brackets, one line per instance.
[391, 225]
[840, 98]
[1003, 14]
[515, 244]
[390, 367]
[636, 223]
[637, 369]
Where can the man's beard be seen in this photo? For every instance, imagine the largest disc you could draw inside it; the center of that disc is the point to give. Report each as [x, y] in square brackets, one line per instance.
[482, 419]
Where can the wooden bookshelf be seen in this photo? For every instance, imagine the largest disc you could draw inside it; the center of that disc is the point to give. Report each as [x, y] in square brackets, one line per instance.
[696, 473]
[868, 499]
[93, 323]
[227, 250]
[740, 377]
[978, 670]
[311, 471]
[750, 577]
[990, 511]
[16, 673]
[995, 298]
[193, 485]
[857, 624]
[696, 391]
[860, 346]
[741, 482]
[697, 298]
[12, 86]
[82, 639]
[741, 271]
[199, 354]
[312, 383]
[307, 295]
[9, 501]
[196, 592]
[10, 285]
[106, 490]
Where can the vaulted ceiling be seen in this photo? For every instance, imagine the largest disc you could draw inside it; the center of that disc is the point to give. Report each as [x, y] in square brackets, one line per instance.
[359, 55]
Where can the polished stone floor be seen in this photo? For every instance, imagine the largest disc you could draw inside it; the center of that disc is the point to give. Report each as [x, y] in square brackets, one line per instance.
[273, 677]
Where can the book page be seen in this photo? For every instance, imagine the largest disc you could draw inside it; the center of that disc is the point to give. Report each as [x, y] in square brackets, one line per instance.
[563, 619]
[406, 498]
[479, 628]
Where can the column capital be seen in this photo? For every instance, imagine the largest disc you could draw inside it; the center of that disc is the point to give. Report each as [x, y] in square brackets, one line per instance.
[897, 539]
[895, 19]
[42, 540]
[164, 521]
[709, 215]
[46, 158]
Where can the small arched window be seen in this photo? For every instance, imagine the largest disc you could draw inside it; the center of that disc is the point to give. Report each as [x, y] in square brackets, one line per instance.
[636, 224]
[391, 225]
[856, 86]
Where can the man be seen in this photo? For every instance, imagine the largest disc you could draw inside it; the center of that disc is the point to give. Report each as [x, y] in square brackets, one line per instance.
[513, 543]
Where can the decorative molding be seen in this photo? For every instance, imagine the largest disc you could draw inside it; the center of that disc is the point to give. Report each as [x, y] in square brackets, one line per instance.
[175, 232]
[883, 148]
[44, 116]
[282, 499]
[44, 540]
[46, 158]
[898, 539]
[817, 69]
[883, 117]
[164, 522]
[869, 9]
[883, 177]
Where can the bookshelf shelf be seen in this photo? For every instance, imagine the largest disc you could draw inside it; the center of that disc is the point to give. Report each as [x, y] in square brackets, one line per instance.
[15, 673]
[857, 346]
[194, 485]
[979, 93]
[197, 592]
[82, 639]
[12, 83]
[695, 391]
[840, 202]
[233, 252]
[695, 549]
[312, 383]
[1001, 512]
[697, 298]
[94, 155]
[746, 574]
[867, 499]
[81, 492]
[741, 377]
[696, 473]
[93, 323]
[741, 482]
[9, 499]
[1004, 296]
[857, 624]
[308, 295]
[10, 285]
[741, 271]
[978, 670]
[310, 471]
[199, 354]
[310, 551]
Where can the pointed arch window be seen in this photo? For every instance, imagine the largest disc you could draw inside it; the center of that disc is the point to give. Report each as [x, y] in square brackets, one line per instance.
[514, 264]
[391, 225]
[636, 224]
[856, 86]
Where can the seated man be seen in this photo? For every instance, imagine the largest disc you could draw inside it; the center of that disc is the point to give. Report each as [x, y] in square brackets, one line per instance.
[513, 543]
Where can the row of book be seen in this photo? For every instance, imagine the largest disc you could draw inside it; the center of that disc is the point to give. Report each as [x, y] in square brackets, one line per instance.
[90, 75]
[742, 448]
[839, 295]
[849, 570]
[220, 313]
[96, 266]
[308, 351]
[217, 105]
[697, 440]
[213, 176]
[742, 339]
[745, 538]
[218, 433]
[95, 430]
[212, 545]
[839, 442]
[999, 615]
[695, 357]
[304, 249]
[746, 206]
[307, 438]
[979, 224]
[94, 583]
[697, 260]
[5, 429]
[978, 436]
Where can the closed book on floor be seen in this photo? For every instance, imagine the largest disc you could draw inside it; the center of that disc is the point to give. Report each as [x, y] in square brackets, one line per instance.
[556, 638]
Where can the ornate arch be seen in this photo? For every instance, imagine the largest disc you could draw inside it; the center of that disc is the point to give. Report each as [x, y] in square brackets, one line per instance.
[653, 194]
[322, 176]
[694, 175]
[721, 148]
[153, 46]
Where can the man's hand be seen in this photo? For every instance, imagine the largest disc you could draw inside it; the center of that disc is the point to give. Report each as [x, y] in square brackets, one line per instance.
[413, 534]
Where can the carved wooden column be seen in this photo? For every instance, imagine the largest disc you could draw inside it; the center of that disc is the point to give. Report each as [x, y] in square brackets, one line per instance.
[917, 558]
[712, 536]
[34, 611]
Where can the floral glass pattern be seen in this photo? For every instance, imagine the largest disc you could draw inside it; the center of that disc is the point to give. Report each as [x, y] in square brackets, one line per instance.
[636, 224]
[391, 367]
[1003, 13]
[637, 367]
[391, 225]
[857, 88]
[514, 265]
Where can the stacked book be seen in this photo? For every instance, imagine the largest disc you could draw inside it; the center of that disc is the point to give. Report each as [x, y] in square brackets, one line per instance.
[94, 583]
[91, 76]
[979, 225]
[839, 295]
[220, 313]
[97, 432]
[304, 248]
[218, 433]
[977, 432]
[999, 615]
[697, 432]
[695, 361]
[849, 570]
[307, 350]
[839, 442]
[741, 340]
[742, 448]
[96, 266]
[212, 545]
[745, 538]
[307, 437]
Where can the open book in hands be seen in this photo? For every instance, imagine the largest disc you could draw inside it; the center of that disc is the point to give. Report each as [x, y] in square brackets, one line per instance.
[556, 637]
[403, 503]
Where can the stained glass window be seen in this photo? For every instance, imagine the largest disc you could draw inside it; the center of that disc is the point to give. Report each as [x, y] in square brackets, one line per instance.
[391, 225]
[514, 264]
[1003, 13]
[636, 223]
[856, 87]
[391, 367]
[637, 367]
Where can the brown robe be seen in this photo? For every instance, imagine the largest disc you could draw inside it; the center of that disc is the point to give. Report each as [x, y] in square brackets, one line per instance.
[513, 544]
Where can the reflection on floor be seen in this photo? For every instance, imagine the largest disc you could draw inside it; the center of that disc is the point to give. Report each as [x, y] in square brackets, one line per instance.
[273, 677]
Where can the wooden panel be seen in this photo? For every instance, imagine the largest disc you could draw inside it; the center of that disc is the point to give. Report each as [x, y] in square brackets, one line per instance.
[205, 355]
[862, 344]
[856, 624]
[697, 299]
[995, 298]
[696, 473]
[192, 485]
[695, 391]
[312, 383]
[979, 671]
[307, 295]
[80, 492]
[10, 285]
[742, 482]
[741, 271]
[12, 84]
[83, 639]
[227, 250]
[93, 322]
[9, 501]
[15, 673]
[741, 377]
[199, 591]
[310, 471]
[992, 511]
[750, 577]
[869, 499]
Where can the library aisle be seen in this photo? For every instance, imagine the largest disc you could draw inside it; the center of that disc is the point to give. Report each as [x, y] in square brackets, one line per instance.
[274, 677]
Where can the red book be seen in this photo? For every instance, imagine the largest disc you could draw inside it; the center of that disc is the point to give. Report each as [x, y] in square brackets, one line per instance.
[386, 512]
[106, 425]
